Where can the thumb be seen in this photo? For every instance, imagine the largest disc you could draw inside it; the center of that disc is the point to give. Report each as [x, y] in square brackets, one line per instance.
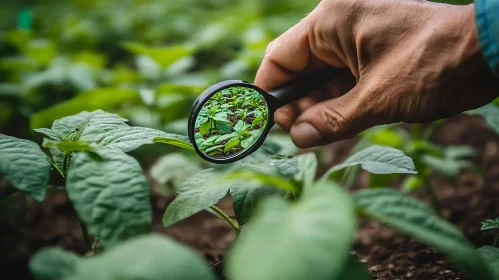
[333, 120]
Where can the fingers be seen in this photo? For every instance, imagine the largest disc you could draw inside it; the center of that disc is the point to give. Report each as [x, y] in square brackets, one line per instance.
[287, 56]
[285, 116]
[339, 85]
[333, 120]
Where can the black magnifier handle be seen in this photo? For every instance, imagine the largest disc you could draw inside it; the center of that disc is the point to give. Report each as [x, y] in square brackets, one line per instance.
[299, 87]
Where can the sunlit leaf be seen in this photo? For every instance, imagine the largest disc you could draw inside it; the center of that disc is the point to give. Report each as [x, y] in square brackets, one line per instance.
[165, 56]
[490, 224]
[378, 160]
[295, 240]
[194, 195]
[102, 130]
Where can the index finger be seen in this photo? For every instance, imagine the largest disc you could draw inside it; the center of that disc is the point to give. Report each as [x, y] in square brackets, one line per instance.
[286, 57]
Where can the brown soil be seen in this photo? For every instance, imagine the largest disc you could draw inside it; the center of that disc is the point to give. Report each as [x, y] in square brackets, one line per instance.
[388, 255]
[234, 118]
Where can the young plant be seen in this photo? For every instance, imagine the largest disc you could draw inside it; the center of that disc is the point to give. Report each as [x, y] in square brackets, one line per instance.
[213, 121]
[429, 158]
[105, 185]
[490, 224]
[244, 121]
[283, 193]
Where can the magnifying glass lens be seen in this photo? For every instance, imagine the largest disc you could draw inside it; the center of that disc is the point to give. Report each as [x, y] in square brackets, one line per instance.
[230, 122]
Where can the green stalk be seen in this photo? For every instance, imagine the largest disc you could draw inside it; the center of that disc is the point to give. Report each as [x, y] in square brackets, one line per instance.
[433, 197]
[65, 164]
[227, 218]
[61, 173]
[84, 233]
[416, 131]
[495, 240]
[83, 227]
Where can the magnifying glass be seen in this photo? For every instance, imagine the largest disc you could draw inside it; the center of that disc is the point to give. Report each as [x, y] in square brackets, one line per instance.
[231, 119]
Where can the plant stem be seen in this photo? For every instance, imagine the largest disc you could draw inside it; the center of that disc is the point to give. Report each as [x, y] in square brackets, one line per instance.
[61, 172]
[227, 218]
[416, 131]
[65, 164]
[84, 233]
[495, 240]
[433, 197]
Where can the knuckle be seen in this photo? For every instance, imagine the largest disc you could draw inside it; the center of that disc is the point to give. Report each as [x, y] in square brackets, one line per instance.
[380, 101]
[335, 122]
[271, 47]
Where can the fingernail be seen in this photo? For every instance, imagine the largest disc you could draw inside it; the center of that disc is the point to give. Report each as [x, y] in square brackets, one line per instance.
[305, 135]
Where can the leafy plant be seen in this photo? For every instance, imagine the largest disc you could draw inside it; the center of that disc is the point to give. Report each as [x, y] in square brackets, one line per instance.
[490, 224]
[282, 193]
[230, 121]
[106, 186]
[429, 158]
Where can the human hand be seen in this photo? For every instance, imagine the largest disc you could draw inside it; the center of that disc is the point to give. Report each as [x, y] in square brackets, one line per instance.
[404, 61]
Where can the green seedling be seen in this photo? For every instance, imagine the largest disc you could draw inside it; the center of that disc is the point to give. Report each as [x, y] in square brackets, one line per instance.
[490, 224]
[230, 121]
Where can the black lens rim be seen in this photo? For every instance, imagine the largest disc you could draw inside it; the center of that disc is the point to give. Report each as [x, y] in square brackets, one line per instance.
[206, 95]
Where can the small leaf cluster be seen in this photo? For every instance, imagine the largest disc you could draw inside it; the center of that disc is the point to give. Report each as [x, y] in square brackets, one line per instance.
[230, 121]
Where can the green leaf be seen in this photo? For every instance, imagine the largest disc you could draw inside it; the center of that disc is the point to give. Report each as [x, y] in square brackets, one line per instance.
[204, 128]
[185, 89]
[378, 160]
[491, 256]
[102, 130]
[249, 177]
[231, 144]
[308, 239]
[67, 146]
[412, 182]
[265, 176]
[102, 98]
[110, 196]
[490, 113]
[458, 152]
[256, 121]
[386, 137]
[354, 270]
[194, 195]
[447, 167]
[175, 140]
[223, 127]
[173, 168]
[285, 167]
[53, 264]
[149, 257]
[307, 166]
[24, 165]
[490, 224]
[414, 218]
[165, 56]
[246, 197]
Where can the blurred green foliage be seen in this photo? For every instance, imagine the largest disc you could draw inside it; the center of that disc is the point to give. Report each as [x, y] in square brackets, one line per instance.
[145, 60]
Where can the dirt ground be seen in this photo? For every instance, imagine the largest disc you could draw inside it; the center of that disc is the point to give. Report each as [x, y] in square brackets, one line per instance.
[386, 254]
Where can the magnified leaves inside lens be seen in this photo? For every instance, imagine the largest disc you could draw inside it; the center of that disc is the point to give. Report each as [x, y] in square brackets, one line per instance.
[230, 122]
